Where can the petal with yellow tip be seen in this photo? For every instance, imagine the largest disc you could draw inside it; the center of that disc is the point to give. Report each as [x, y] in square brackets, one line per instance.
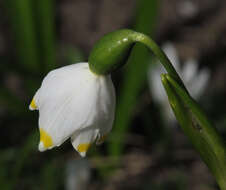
[46, 141]
[83, 147]
[34, 102]
[82, 140]
[72, 101]
[33, 105]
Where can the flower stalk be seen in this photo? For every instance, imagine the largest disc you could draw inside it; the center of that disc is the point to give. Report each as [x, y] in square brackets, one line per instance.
[111, 52]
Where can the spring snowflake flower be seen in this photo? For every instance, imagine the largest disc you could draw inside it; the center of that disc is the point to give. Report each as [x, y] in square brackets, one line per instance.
[74, 103]
[195, 80]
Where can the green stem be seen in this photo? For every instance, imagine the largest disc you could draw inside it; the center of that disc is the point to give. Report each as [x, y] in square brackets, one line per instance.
[111, 51]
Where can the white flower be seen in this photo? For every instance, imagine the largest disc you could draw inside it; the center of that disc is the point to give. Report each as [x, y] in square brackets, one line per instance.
[74, 103]
[195, 80]
[187, 9]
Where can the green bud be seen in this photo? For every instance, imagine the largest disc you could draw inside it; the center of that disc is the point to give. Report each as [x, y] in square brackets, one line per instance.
[111, 51]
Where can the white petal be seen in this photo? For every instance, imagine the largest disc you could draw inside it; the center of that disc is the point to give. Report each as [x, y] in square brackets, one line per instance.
[187, 9]
[168, 115]
[171, 53]
[83, 139]
[189, 71]
[155, 84]
[34, 103]
[199, 83]
[41, 147]
[156, 69]
[107, 108]
[72, 98]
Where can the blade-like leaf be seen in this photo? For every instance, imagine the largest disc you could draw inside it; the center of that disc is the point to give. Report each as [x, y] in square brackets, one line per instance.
[46, 35]
[200, 131]
[24, 33]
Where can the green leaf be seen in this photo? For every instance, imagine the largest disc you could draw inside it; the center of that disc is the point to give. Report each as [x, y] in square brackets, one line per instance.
[46, 32]
[199, 129]
[24, 33]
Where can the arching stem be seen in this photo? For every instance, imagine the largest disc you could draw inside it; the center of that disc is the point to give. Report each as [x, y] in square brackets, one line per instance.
[111, 51]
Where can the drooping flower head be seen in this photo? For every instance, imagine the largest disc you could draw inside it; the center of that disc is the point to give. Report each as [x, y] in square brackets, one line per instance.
[75, 103]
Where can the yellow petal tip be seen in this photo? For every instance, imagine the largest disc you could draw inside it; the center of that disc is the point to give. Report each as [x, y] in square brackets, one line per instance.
[45, 140]
[83, 147]
[33, 105]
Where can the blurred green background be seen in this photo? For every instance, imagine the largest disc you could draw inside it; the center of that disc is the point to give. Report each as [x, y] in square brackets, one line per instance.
[144, 150]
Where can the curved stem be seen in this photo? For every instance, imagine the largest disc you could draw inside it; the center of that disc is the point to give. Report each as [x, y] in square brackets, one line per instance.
[148, 42]
[111, 52]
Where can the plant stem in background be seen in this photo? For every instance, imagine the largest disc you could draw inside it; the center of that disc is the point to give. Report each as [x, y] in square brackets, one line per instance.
[46, 35]
[24, 33]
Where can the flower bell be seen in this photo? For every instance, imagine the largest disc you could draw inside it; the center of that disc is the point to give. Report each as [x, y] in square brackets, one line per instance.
[78, 101]
[75, 103]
